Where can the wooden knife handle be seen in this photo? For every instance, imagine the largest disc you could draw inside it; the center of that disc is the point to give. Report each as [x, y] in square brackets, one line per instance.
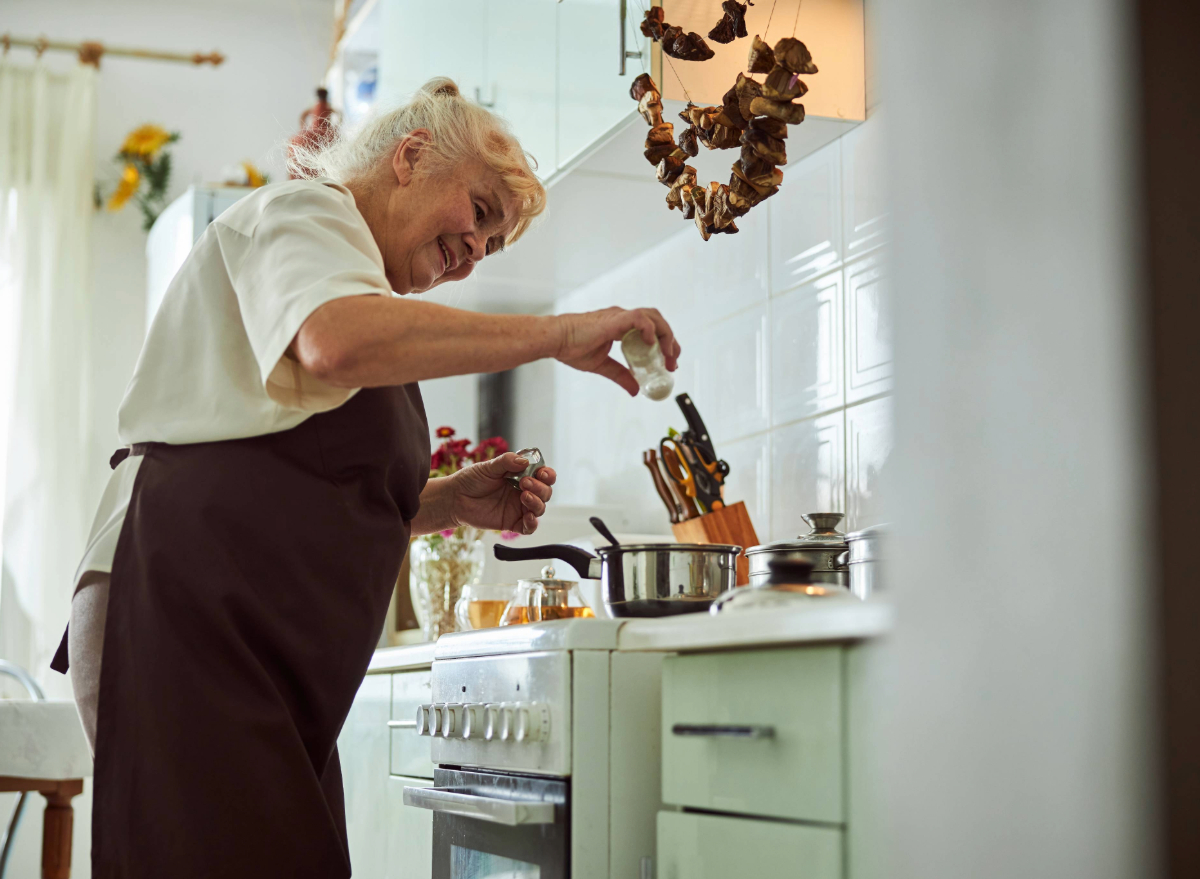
[690, 510]
[650, 459]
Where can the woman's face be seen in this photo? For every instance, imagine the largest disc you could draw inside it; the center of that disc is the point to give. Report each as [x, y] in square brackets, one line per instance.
[436, 227]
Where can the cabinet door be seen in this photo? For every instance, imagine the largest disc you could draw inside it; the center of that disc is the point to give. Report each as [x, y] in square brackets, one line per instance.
[592, 95]
[714, 847]
[420, 40]
[410, 834]
[521, 74]
[363, 749]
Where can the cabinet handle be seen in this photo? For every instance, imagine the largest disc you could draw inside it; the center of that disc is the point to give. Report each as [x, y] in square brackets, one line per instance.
[402, 724]
[724, 730]
[624, 54]
[479, 98]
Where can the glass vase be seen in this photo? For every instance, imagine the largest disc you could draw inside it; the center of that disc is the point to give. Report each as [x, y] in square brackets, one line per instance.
[440, 565]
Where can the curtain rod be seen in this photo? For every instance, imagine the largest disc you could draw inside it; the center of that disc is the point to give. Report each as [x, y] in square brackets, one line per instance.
[90, 52]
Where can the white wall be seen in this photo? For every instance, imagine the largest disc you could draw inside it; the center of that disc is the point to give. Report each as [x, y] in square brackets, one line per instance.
[276, 52]
[786, 352]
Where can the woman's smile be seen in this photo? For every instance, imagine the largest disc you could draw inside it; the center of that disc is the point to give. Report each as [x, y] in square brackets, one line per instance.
[449, 260]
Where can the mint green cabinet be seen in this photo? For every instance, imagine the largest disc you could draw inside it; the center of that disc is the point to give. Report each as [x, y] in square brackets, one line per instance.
[411, 754]
[795, 772]
[716, 847]
[363, 749]
[409, 834]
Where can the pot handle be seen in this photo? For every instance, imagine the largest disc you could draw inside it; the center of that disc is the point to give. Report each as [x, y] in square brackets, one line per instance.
[577, 558]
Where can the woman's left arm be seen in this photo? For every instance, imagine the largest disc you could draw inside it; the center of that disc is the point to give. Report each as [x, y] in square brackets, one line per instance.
[481, 495]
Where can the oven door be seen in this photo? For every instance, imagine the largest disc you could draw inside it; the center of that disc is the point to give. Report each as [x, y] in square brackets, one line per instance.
[492, 826]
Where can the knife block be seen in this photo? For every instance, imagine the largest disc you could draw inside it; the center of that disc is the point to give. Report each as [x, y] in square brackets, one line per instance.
[730, 524]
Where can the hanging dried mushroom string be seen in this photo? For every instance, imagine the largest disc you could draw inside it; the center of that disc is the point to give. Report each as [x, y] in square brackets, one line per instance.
[752, 115]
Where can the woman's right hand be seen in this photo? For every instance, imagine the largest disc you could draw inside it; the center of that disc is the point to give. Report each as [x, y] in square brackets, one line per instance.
[587, 338]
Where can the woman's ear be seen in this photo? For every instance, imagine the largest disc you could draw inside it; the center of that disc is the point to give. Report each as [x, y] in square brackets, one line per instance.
[409, 153]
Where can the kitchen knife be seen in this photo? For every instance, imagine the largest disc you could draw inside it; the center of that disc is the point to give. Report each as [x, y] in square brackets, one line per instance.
[688, 477]
[670, 463]
[697, 436]
[674, 509]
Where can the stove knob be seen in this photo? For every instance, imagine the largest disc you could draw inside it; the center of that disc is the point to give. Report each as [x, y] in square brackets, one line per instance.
[435, 718]
[491, 721]
[508, 730]
[451, 719]
[532, 722]
[472, 721]
[423, 720]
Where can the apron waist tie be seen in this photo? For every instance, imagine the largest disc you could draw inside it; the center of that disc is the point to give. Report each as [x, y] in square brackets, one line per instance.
[61, 662]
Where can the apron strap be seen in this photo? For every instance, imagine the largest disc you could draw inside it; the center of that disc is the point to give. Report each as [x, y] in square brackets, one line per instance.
[61, 662]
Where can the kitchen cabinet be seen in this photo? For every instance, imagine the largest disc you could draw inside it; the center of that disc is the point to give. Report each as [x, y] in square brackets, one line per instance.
[755, 732]
[410, 753]
[593, 94]
[520, 72]
[716, 847]
[363, 749]
[421, 40]
[409, 845]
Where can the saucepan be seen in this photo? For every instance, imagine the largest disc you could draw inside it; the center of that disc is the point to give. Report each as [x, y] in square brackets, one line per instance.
[648, 579]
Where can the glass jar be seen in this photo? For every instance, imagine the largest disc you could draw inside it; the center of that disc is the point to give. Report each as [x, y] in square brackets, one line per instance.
[440, 566]
[482, 605]
[544, 599]
[648, 365]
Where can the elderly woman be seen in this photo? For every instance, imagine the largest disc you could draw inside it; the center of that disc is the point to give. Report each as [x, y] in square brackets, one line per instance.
[276, 462]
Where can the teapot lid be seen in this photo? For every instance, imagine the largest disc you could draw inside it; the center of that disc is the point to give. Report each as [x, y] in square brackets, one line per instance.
[548, 580]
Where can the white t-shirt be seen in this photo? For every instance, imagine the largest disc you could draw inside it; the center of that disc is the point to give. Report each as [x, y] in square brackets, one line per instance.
[213, 364]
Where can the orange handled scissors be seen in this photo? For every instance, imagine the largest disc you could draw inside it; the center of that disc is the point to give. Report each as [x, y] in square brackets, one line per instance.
[681, 473]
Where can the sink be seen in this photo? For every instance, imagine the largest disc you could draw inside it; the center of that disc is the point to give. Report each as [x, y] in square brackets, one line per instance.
[42, 740]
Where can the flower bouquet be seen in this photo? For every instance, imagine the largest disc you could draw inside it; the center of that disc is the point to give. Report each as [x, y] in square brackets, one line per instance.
[442, 564]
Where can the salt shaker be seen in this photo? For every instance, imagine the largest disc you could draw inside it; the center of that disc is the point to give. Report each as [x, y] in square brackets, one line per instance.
[648, 366]
[536, 463]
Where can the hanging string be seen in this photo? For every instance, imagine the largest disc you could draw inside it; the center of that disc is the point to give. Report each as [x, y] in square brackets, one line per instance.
[667, 58]
[797, 21]
[769, 17]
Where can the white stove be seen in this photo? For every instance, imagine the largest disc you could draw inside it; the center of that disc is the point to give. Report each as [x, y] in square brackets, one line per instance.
[547, 753]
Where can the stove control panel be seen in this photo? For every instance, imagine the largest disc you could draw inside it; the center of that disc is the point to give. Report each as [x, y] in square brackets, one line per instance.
[501, 712]
[522, 722]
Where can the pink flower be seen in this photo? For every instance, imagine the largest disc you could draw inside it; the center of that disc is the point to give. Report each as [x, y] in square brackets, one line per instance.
[509, 535]
[449, 532]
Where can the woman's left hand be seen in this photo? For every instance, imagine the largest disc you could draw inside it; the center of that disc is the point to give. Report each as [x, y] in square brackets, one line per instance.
[483, 497]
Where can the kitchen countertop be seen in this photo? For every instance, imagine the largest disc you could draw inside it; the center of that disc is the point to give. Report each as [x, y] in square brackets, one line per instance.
[820, 621]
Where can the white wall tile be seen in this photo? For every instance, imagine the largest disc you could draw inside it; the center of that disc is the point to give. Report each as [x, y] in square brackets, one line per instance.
[868, 328]
[806, 350]
[807, 472]
[864, 197]
[806, 219]
[868, 448]
[731, 389]
[749, 478]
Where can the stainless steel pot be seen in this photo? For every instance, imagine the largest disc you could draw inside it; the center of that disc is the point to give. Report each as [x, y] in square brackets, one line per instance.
[823, 547]
[863, 560]
[646, 580]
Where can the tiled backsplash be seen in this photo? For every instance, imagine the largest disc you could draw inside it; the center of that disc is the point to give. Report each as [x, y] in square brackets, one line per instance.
[786, 351]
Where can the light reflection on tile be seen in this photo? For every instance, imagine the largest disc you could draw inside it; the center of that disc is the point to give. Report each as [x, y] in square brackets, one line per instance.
[868, 328]
[806, 350]
[749, 469]
[806, 219]
[807, 467]
[864, 197]
[731, 376]
[868, 448]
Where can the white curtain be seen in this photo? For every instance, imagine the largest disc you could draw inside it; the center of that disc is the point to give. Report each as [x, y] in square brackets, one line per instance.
[47, 125]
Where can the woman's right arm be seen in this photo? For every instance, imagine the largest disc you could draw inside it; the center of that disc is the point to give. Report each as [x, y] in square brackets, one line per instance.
[372, 341]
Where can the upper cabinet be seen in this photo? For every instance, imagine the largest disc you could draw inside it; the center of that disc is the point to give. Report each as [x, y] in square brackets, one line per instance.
[521, 74]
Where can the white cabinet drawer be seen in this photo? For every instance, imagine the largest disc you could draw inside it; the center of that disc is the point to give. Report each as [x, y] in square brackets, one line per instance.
[715, 847]
[756, 732]
[410, 753]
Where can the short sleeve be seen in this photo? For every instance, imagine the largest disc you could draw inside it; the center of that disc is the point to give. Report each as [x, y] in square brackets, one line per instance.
[307, 247]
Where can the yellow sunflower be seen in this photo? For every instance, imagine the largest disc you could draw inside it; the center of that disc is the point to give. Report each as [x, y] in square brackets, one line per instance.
[254, 177]
[145, 141]
[126, 188]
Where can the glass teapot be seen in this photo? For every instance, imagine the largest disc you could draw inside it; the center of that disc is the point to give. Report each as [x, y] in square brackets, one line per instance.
[543, 599]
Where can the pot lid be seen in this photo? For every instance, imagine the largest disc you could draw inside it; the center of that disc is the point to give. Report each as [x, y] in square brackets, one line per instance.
[548, 580]
[658, 547]
[823, 536]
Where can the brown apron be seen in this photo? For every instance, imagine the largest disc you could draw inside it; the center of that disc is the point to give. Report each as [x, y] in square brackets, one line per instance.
[249, 588]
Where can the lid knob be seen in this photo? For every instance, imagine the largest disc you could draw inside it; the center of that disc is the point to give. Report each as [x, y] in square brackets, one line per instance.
[785, 572]
[823, 523]
[548, 573]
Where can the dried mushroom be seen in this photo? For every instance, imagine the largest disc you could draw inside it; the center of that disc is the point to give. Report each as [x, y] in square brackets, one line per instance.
[653, 23]
[761, 58]
[732, 24]
[746, 90]
[793, 55]
[770, 148]
[669, 168]
[783, 85]
[767, 125]
[641, 85]
[687, 141]
[685, 46]
[731, 108]
[784, 111]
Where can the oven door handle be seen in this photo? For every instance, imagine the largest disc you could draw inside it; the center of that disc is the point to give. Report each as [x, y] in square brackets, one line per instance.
[449, 801]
